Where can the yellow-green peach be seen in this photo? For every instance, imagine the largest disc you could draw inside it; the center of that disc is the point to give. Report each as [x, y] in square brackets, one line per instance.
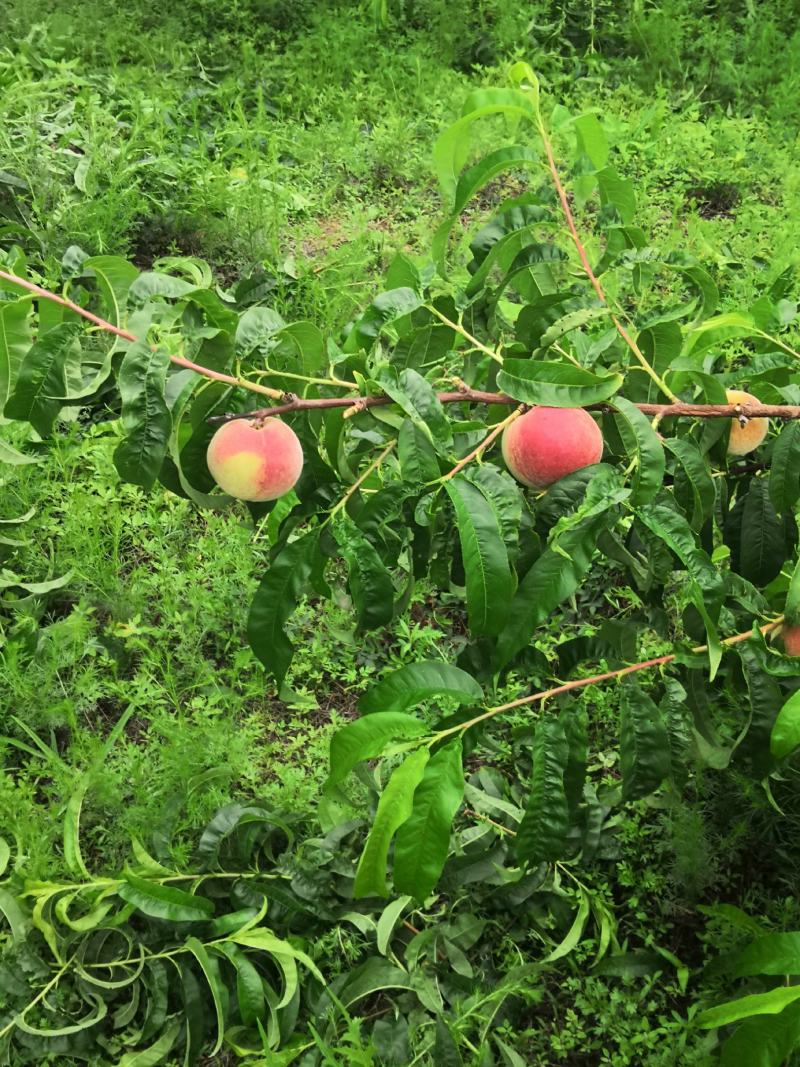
[255, 460]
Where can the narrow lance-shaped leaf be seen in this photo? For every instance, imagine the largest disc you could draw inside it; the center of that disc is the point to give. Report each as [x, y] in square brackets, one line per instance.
[367, 738]
[418, 399]
[556, 385]
[163, 901]
[394, 807]
[15, 340]
[42, 379]
[410, 685]
[763, 1040]
[370, 583]
[275, 600]
[766, 702]
[423, 841]
[641, 442]
[697, 476]
[643, 746]
[486, 566]
[543, 831]
[553, 577]
[784, 474]
[146, 420]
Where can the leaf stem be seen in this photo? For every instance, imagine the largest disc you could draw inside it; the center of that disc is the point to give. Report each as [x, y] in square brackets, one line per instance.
[496, 431]
[468, 336]
[39, 996]
[360, 480]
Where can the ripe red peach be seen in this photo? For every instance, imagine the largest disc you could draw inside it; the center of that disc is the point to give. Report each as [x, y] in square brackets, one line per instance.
[747, 438]
[791, 640]
[255, 461]
[545, 444]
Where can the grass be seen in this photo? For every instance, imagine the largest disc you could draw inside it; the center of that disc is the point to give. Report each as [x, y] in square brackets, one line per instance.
[301, 148]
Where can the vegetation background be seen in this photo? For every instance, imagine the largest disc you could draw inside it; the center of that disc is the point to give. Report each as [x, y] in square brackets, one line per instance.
[290, 141]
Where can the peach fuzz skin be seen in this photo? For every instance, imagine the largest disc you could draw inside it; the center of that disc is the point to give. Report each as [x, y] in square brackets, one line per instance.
[255, 462]
[790, 636]
[744, 439]
[545, 444]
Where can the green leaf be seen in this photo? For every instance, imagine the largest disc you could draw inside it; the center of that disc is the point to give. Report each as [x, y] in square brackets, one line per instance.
[775, 954]
[284, 954]
[617, 192]
[14, 916]
[249, 986]
[256, 327]
[154, 283]
[486, 567]
[698, 477]
[72, 818]
[368, 738]
[784, 475]
[758, 548]
[785, 736]
[410, 685]
[575, 931]
[146, 420]
[100, 1012]
[592, 139]
[452, 148]
[763, 1041]
[418, 399]
[156, 1053]
[573, 320]
[556, 385]
[445, 1049]
[575, 721]
[14, 458]
[394, 807]
[164, 902]
[385, 309]
[275, 600]
[416, 454]
[542, 834]
[42, 379]
[644, 744]
[114, 276]
[15, 340]
[369, 581]
[473, 180]
[211, 971]
[770, 1003]
[641, 441]
[554, 576]
[791, 609]
[766, 699]
[423, 840]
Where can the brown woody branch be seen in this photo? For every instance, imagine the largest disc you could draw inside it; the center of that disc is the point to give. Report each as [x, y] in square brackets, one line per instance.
[478, 396]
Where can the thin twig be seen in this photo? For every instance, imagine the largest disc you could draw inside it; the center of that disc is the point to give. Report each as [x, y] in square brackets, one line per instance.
[496, 431]
[465, 334]
[580, 683]
[360, 480]
[587, 267]
[126, 335]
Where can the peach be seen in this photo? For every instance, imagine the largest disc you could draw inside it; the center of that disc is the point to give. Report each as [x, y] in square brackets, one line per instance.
[544, 444]
[255, 460]
[747, 438]
[791, 640]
